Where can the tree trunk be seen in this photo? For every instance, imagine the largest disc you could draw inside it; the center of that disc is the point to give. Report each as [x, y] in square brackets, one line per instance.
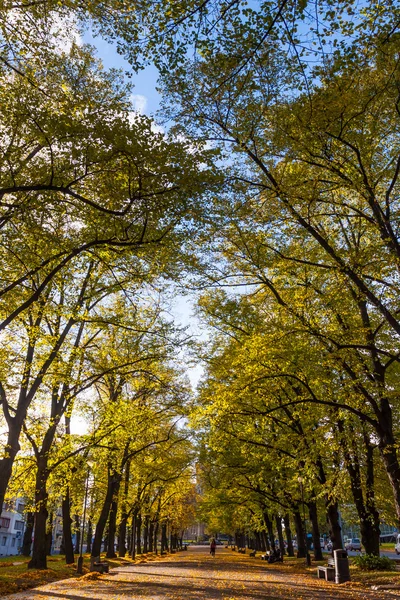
[122, 536]
[112, 487]
[124, 514]
[133, 538]
[67, 533]
[164, 540]
[27, 541]
[368, 515]
[49, 534]
[146, 535]
[388, 451]
[39, 551]
[312, 510]
[372, 536]
[288, 532]
[156, 528]
[112, 527]
[89, 536]
[77, 527]
[335, 530]
[139, 533]
[270, 529]
[301, 546]
[278, 521]
[332, 512]
[11, 450]
[151, 536]
[267, 545]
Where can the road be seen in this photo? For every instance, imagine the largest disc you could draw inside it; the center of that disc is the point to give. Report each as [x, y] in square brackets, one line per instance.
[195, 575]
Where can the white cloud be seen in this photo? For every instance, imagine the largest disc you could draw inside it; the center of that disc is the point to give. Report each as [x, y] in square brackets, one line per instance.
[139, 103]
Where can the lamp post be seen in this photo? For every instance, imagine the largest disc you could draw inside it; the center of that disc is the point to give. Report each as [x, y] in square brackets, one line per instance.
[308, 557]
[79, 568]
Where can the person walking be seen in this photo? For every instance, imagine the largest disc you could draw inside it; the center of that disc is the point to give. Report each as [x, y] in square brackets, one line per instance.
[212, 547]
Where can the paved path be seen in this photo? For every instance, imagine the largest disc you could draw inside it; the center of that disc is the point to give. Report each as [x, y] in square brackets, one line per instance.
[195, 575]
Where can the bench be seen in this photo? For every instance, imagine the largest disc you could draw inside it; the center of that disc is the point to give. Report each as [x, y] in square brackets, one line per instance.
[98, 565]
[328, 572]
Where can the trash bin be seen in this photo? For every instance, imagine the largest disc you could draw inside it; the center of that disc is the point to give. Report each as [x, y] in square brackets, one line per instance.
[342, 571]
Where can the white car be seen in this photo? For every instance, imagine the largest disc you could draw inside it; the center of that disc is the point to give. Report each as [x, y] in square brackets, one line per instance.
[353, 544]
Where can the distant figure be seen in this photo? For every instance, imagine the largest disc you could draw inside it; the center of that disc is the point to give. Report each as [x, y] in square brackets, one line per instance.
[212, 547]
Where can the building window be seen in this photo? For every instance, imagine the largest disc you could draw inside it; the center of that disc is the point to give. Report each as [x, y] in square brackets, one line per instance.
[19, 525]
[13, 543]
[4, 522]
[3, 540]
[21, 507]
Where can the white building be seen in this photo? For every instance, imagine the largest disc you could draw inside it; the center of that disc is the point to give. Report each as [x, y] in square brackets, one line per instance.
[12, 526]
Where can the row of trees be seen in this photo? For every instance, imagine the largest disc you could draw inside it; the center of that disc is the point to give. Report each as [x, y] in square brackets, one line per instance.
[299, 103]
[302, 99]
[303, 363]
[95, 209]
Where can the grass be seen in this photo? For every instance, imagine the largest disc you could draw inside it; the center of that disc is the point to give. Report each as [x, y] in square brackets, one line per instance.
[359, 578]
[17, 577]
[387, 546]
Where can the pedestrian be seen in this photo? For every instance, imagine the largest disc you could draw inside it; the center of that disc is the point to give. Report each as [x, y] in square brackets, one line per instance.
[212, 547]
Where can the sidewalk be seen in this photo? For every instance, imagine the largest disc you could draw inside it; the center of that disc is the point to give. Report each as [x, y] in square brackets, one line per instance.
[195, 575]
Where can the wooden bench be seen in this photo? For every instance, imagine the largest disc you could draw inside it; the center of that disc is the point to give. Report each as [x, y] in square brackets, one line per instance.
[328, 572]
[99, 566]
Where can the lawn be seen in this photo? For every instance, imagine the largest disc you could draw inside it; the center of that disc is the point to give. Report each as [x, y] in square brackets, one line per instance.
[15, 575]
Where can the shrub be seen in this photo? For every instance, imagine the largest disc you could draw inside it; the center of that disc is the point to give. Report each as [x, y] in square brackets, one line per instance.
[369, 562]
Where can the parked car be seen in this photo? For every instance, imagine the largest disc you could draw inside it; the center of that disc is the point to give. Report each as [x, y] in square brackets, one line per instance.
[353, 544]
[397, 546]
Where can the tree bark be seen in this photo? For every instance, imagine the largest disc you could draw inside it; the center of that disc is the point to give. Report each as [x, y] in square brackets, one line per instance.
[288, 532]
[77, 528]
[39, 551]
[67, 533]
[27, 541]
[122, 535]
[49, 534]
[164, 541]
[156, 528]
[89, 536]
[301, 546]
[367, 512]
[112, 527]
[146, 535]
[278, 521]
[112, 488]
[312, 510]
[270, 529]
[139, 533]
[12, 447]
[335, 530]
[133, 538]
[151, 536]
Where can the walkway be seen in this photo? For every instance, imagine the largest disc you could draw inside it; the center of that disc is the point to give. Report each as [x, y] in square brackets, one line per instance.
[195, 575]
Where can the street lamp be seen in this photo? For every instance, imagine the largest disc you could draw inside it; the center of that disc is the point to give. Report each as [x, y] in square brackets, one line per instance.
[308, 557]
[79, 568]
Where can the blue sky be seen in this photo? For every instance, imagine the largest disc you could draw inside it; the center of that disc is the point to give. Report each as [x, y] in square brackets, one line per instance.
[147, 100]
[145, 82]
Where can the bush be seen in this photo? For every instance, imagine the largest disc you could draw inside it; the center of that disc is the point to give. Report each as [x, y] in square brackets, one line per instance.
[369, 562]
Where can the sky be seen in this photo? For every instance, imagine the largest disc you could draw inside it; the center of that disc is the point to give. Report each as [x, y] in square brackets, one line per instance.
[147, 101]
[145, 96]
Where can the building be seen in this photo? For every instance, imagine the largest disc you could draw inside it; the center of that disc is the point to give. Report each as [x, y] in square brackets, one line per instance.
[12, 526]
